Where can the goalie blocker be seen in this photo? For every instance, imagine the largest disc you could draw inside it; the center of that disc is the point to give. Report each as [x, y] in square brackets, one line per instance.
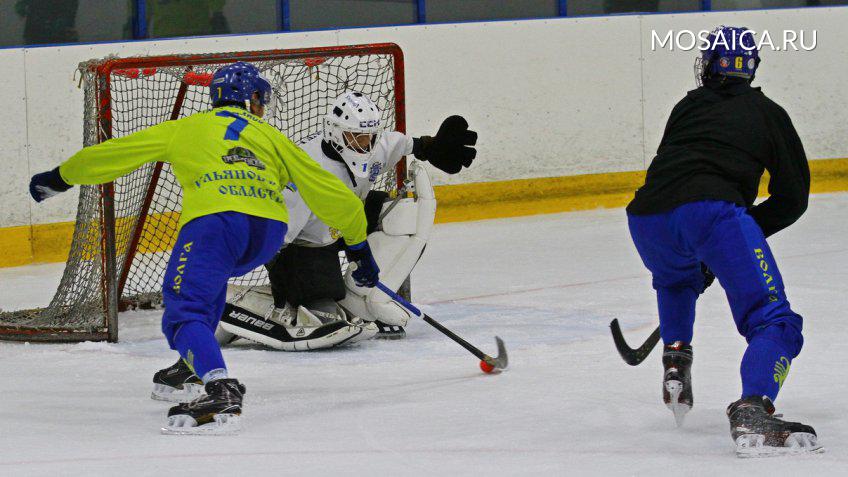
[312, 306]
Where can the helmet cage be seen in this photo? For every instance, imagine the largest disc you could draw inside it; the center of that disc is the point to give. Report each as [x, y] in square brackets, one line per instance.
[354, 141]
[351, 117]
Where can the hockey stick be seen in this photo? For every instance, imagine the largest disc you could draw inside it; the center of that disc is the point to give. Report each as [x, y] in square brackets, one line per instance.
[633, 356]
[491, 364]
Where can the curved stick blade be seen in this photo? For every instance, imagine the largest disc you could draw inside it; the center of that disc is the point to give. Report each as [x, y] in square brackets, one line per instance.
[633, 356]
[502, 360]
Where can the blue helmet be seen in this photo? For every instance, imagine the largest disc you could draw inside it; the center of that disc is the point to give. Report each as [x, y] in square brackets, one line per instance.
[237, 82]
[728, 51]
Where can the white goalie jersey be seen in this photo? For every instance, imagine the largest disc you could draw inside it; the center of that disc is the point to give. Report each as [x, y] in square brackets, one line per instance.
[400, 239]
[304, 227]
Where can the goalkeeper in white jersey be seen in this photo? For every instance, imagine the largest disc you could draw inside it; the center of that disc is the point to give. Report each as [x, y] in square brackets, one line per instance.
[310, 304]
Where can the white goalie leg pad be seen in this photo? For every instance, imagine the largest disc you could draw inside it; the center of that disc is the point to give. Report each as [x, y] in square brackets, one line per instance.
[251, 314]
[224, 337]
[256, 298]
[396, 248]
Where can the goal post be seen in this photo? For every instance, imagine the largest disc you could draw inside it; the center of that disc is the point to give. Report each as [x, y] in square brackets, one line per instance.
[124, 230]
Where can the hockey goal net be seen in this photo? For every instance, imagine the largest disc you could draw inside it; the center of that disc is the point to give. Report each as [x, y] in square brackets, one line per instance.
[124, 230]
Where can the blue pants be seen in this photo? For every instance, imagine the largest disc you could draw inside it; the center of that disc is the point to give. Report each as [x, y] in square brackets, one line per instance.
[209, 251]
[729, 241]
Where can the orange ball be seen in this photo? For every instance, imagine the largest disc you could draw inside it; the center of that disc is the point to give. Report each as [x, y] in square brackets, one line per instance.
[486, 367]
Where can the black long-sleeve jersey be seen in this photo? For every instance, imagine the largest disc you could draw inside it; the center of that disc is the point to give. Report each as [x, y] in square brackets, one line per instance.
[718, 141]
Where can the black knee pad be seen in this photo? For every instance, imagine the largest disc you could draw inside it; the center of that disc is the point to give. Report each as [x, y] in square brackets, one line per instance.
[300, 275]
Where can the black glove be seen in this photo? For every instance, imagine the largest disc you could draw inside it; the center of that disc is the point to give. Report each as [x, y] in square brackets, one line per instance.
[367, 272]
[47, 184]
[450, 150]
[709, 276]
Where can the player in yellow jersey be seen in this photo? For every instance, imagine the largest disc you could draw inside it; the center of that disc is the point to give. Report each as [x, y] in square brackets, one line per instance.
[232, 166]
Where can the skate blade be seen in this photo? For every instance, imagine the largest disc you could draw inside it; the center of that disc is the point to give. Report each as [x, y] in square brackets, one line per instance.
[189, 392]
[798, 443]
[679, 409]
[183, 425]
[391, 332]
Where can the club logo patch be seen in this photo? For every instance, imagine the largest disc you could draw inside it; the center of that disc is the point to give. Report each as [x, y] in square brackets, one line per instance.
[781, 370]
[241, 154]
[376, 169]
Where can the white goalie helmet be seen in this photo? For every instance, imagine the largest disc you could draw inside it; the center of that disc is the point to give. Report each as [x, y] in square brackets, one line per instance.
[353, 125]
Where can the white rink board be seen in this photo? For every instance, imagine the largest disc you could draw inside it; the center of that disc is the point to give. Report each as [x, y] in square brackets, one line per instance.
[541, 109]
[810, 85]
[14, 195]
[549, 97]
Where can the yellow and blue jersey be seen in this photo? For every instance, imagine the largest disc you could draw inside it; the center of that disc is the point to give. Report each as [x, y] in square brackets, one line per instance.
[226, 159]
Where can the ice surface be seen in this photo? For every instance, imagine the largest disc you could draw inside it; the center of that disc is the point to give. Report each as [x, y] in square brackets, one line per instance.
[568, 405]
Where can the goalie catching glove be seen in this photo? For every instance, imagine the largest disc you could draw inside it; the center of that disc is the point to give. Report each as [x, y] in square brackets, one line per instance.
[450, 150]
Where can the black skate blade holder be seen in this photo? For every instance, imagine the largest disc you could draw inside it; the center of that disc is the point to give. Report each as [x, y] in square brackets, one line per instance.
[499, 363]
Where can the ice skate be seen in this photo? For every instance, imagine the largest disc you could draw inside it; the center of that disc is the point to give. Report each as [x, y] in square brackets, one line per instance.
[176, 383]
[216, 413]
[758, 433]
[677, 379]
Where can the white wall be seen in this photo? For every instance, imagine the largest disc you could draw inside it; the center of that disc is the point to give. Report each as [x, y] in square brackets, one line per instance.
[810, 85]
[14, 206]
[548, 97]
